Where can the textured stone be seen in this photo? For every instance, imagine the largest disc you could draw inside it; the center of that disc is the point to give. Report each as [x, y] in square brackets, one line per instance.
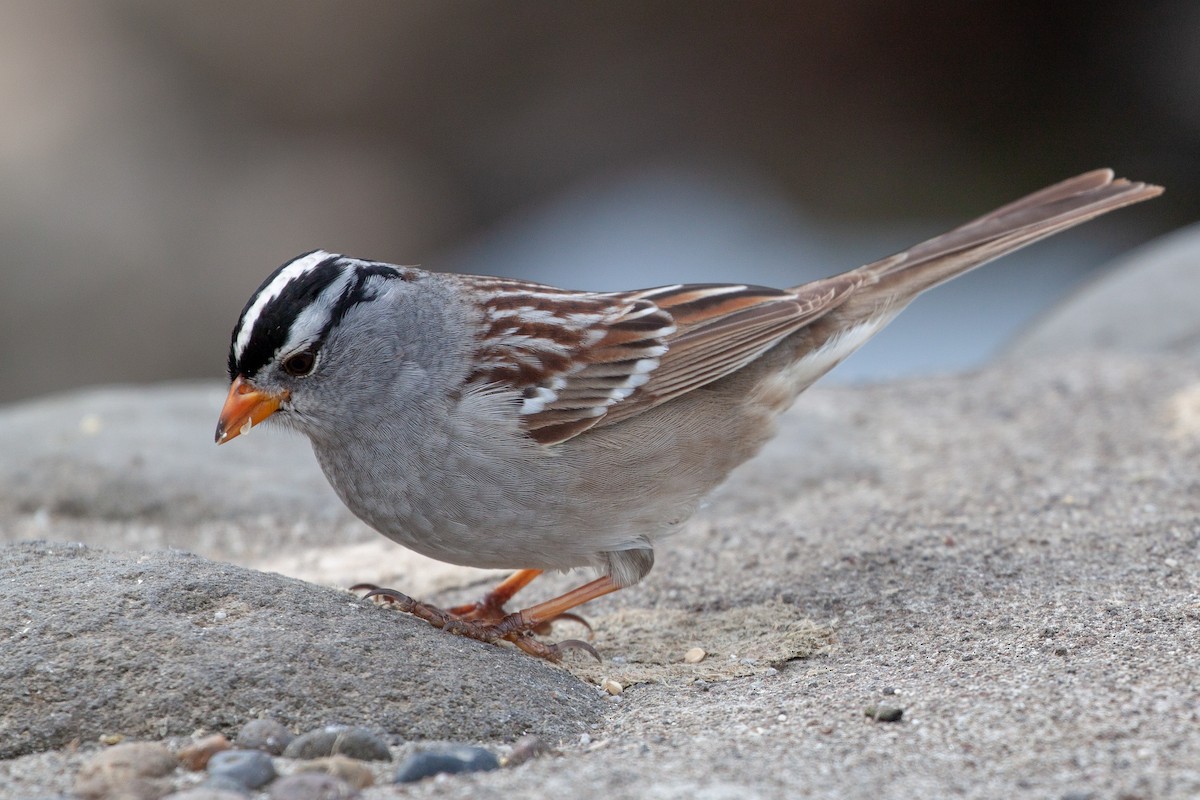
[168, 642]
[310, 786]
[196, 755]
[250, 768]
[264, 734]
[350, 741]
[130, 771]
[448, 760]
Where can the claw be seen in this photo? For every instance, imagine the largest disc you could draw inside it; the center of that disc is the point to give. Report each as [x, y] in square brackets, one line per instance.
[551, 651]
[579, 644]
[390, 595]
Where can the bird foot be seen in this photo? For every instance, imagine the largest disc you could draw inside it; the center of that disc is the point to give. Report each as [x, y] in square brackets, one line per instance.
[486, 622]
[487, 610]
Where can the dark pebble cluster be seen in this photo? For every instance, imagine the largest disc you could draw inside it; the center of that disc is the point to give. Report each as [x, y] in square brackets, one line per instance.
[332, 764]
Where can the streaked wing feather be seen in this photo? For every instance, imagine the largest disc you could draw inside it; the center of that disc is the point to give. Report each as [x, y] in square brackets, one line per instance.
[578, 360]
[721, 330]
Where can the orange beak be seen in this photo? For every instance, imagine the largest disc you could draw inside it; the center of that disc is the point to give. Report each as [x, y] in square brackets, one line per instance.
[244, 408]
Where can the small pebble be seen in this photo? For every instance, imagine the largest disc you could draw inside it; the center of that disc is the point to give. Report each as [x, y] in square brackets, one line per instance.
[205, 793]
[133, 771]
[196, 755]
[450, 760]
[353, 772]
[694, 656]
[343, 740]
[264, 734]
[250, 768]
[884, 713]
[311, 786]
[611, 686]
[526, 748]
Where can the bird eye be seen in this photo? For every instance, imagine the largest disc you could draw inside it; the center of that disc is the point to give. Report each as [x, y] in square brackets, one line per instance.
[300, 364]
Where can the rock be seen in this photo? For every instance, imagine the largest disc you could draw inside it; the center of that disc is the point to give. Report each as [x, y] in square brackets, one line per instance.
[233, 643]
[449, 760]
[250, 768]
[264, 734]
[353, 742]
[195, 756]
[1146, 302]
[884, 713]
[311, 786]
[128, 454]
[130, 771]
[206, 793]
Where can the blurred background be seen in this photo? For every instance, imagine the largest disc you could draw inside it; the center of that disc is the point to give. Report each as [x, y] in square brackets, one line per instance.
[158, 159]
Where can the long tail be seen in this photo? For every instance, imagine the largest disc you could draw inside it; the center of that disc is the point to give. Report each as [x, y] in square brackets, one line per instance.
[1044, 213]
[859, 303]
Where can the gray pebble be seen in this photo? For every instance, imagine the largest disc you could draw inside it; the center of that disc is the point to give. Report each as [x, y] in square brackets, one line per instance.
[451, 760]
[250, 768]
[343, 740]
[310, 786]
[264, 734]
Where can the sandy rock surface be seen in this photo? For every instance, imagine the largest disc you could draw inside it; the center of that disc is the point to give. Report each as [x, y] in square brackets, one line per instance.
[164, 642]
[1009, 558]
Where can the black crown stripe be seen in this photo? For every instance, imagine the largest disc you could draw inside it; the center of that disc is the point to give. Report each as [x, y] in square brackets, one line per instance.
[273, 324]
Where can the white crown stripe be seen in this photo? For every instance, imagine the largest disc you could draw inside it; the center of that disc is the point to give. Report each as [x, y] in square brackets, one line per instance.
[286, 275]
[312, 320]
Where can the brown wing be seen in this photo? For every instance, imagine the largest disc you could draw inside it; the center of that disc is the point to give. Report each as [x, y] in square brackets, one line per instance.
[581, 359]
[722, 328]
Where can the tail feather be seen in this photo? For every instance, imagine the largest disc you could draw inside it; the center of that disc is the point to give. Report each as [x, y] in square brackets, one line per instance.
[871, 296]
[1011, 227]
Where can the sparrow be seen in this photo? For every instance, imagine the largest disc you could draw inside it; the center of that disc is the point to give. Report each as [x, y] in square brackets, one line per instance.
[505, 424]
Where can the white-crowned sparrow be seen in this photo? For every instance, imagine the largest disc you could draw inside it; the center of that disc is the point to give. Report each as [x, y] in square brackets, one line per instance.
[504, 424]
